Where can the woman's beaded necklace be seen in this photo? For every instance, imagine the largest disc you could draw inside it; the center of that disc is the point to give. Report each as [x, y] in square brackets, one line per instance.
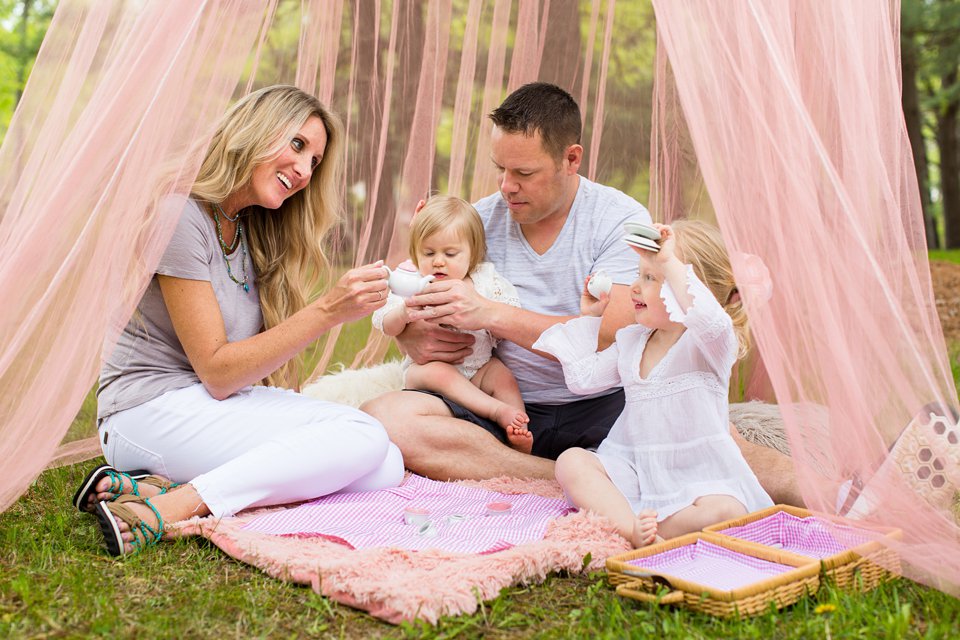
[224, 249]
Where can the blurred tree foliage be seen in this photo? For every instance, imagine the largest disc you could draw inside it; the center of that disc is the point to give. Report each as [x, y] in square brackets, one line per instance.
[930, 62]
[23, 23]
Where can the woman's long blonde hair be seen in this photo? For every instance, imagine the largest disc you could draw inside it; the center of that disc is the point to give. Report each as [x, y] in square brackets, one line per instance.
[286, 244]
[701, 245]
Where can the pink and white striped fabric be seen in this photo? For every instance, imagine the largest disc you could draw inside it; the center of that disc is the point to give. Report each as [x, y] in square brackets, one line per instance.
[711, 565]
[458, 520]
[807, 536]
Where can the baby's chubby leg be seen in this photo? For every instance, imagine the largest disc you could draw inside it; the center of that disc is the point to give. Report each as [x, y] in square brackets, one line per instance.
[705, 511]
[444, 378]
[588, 486]
[497, 381]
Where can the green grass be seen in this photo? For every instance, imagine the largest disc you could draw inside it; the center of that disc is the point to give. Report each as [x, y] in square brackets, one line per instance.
[55, 581]
[945, 255]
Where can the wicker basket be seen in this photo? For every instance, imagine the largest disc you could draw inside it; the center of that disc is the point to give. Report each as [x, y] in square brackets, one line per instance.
[860, 568]
[641, 583]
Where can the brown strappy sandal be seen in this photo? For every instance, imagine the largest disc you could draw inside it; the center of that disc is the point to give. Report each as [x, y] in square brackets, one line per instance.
[144, 535]
[88, 488]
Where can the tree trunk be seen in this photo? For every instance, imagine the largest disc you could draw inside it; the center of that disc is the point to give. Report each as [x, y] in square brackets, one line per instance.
[950, 164]
[562, 48]
[914, 119]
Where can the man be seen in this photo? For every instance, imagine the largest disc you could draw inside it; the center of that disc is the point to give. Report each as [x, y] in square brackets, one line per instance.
[548, 229]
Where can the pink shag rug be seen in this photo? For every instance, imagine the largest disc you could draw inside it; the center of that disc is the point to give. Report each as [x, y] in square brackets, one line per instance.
[397, 584]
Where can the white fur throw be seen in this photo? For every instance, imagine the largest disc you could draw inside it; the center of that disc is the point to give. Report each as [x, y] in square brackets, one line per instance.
[355, 386]
[756, 421]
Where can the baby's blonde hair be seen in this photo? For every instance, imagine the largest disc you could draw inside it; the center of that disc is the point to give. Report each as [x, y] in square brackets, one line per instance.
[443, 212]
[701, 245]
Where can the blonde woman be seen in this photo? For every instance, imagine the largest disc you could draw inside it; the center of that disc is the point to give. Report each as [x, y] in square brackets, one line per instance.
[229, 308]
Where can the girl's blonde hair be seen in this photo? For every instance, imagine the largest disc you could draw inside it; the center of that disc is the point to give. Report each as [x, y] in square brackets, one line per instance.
[701, 245]
[444, 212]
[286, 244]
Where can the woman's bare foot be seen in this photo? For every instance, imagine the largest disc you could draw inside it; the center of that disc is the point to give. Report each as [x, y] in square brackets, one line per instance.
[103, 492]
[122, 519]
[644, 529]
[514, 422]
[147, 515]
[104, 484]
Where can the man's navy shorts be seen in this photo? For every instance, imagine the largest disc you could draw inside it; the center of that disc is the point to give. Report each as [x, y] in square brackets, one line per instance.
[555, 427]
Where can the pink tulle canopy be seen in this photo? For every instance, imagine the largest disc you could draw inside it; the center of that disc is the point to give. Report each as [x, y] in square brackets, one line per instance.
[780, 119]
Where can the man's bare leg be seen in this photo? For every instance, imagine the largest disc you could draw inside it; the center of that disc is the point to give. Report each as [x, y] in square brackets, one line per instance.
[437, 445]
[773, 469]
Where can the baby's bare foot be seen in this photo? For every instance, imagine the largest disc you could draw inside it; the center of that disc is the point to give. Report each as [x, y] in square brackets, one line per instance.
[521, 440]
[644, 529]
[514, 423]
[507, 417]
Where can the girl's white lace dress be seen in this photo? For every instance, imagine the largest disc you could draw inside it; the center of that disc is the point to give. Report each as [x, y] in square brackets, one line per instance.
[672, 443]
[487, 283]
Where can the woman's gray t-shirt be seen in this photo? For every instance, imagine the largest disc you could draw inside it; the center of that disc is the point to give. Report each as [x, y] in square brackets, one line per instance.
[148, 359]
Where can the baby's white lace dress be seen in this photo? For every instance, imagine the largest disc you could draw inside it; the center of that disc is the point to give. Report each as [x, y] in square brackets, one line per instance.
[487, 283]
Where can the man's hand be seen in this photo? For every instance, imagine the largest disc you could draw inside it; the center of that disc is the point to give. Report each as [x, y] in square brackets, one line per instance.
[454, 303]
[426, 342]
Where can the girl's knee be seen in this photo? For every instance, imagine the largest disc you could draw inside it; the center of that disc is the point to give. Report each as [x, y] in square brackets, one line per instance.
[572, 462]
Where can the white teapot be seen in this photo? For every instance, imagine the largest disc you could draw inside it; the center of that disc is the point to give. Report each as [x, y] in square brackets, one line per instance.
[405, 280]
[599, 283]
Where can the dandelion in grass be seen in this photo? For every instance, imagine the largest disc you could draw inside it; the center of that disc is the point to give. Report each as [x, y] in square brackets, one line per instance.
[825, 610]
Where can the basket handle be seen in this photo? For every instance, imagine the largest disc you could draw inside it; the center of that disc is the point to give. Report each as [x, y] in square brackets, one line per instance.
[635, 590]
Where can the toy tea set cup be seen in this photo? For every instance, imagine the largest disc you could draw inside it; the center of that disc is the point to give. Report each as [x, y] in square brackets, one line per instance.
[639, 236]
[405, 280]
[599, 283]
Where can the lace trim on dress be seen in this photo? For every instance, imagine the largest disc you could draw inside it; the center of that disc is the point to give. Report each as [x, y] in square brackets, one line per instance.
[703, 299]
[572, 342]
[677, 384]
[494, 285]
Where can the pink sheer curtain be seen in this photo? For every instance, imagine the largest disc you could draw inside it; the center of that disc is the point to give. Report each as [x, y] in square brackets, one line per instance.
[123, 89]
[794, 111]
[791, 108]
[119, 92]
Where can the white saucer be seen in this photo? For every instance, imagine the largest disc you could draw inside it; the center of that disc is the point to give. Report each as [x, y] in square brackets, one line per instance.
[641, 243]
[644, 230]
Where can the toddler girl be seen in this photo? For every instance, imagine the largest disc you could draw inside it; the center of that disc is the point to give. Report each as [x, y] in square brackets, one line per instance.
[669, 465]
[447, 241]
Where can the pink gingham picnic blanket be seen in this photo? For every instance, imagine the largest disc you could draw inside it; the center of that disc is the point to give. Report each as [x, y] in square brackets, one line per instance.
[711, 565]
[806, 536]
[458, 520]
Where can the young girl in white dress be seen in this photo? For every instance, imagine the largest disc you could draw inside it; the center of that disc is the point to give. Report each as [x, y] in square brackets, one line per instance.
[669, 465]
[447, 241]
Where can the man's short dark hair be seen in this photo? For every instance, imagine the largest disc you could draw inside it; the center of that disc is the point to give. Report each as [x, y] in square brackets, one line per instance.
[542, 107]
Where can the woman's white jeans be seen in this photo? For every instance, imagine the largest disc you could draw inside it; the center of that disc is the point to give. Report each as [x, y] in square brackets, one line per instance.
[261, 446]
